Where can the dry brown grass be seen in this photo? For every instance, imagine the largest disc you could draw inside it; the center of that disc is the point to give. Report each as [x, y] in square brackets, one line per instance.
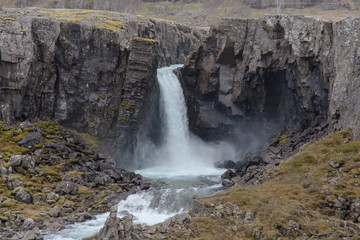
[284, 197]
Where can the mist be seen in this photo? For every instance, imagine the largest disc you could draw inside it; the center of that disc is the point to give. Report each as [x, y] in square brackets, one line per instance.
[178, 151]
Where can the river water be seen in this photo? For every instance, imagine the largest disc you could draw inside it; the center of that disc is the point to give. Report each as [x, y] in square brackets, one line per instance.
[179, 169]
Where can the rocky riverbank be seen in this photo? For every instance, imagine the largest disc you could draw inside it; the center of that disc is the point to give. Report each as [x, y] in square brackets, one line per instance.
[51, 177]
[312, 195]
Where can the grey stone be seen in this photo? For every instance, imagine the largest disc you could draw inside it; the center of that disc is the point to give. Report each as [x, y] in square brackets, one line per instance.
[14, 184]
[15, 160]
[31, 139]
[294, 226]
[116, 228]
[26, 124]
[27, 162]
[23, 196]
[84, 89]
[55, 212]
[52, 196]
[28, 224]
[229, 174]
[227, 183]
[249, 217]
[334, 164]
[198, 208]
[66, 187]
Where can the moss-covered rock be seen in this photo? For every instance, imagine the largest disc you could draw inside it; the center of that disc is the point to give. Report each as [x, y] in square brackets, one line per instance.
[58, 176]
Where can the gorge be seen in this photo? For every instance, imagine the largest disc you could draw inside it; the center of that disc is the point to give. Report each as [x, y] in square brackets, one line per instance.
[269, 86]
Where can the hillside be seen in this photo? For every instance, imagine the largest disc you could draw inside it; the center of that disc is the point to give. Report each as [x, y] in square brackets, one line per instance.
[313, 195]
[201, 13]
[51, 176]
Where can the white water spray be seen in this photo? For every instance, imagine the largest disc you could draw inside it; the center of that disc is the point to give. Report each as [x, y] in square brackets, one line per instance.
[180, 168]
[182, 153]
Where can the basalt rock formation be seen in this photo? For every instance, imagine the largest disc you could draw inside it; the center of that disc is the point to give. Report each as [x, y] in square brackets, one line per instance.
[90, 71]
[296, 72]
[53, 170]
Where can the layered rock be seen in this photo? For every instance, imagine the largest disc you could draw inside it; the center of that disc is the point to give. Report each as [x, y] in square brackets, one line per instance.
[133, 6]
[297, 72]
[82, 69]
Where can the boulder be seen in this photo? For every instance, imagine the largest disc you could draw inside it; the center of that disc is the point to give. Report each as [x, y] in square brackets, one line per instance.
[31, 139]
[55, 212]
[198, 208]
[29, 224]
[27, 161]
[26, 124]
[14, 184]
[227, 183]
[102, 179]
[229, 174]
[23, 196]
[145, 183]
[52, 197]
[33, 234]
[334, 164]
[182, 218]
[116, 228]
[229, 164]
[15, 160]
[66, 187]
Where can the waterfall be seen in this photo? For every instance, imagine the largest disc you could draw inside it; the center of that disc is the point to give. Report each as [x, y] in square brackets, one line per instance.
[181, 151]
[180, 168]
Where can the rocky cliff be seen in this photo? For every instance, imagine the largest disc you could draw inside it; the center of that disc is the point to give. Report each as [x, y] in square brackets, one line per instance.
[201, 12]
[296, 72]
[90, 71]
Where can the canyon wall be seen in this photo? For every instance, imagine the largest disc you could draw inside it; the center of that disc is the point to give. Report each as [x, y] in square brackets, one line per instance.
[134, 5]
[292, 71]
[94, 74]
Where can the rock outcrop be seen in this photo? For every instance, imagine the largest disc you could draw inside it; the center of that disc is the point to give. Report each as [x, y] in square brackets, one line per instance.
[132, 6]
[85, 70]
[297, 72]
[60, 176]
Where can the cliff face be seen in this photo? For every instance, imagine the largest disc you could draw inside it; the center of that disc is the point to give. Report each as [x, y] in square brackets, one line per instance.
[84, 69]
[201, 12]
[295, 71]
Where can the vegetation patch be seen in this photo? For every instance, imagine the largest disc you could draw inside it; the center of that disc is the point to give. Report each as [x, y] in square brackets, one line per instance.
[51, 173]
[305, 189]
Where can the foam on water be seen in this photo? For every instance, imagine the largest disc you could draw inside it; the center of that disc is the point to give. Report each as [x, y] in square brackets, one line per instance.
[181, 168]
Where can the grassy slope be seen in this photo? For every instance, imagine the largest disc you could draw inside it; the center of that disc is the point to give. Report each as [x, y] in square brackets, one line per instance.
[47, 173]
[206, 12]
[298, 190]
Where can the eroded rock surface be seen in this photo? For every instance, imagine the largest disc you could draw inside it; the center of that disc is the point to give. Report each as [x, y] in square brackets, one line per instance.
[93, 72]
[299, 72]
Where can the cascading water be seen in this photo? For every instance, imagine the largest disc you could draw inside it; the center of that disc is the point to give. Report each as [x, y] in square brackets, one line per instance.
[180, 168]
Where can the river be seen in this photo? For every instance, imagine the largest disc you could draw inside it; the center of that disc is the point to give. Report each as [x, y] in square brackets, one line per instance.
[179, 169]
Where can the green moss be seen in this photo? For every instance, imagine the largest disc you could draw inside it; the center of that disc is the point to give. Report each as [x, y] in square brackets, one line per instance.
[9, 203]
[7, 164]
[146, 40]
[87, 109]
[90, 141]
[84, 190]
[52, 173]
[101, 96]
[348, 148]
[42, 144]
[111, 108]
[111, 25]
[128, 105]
